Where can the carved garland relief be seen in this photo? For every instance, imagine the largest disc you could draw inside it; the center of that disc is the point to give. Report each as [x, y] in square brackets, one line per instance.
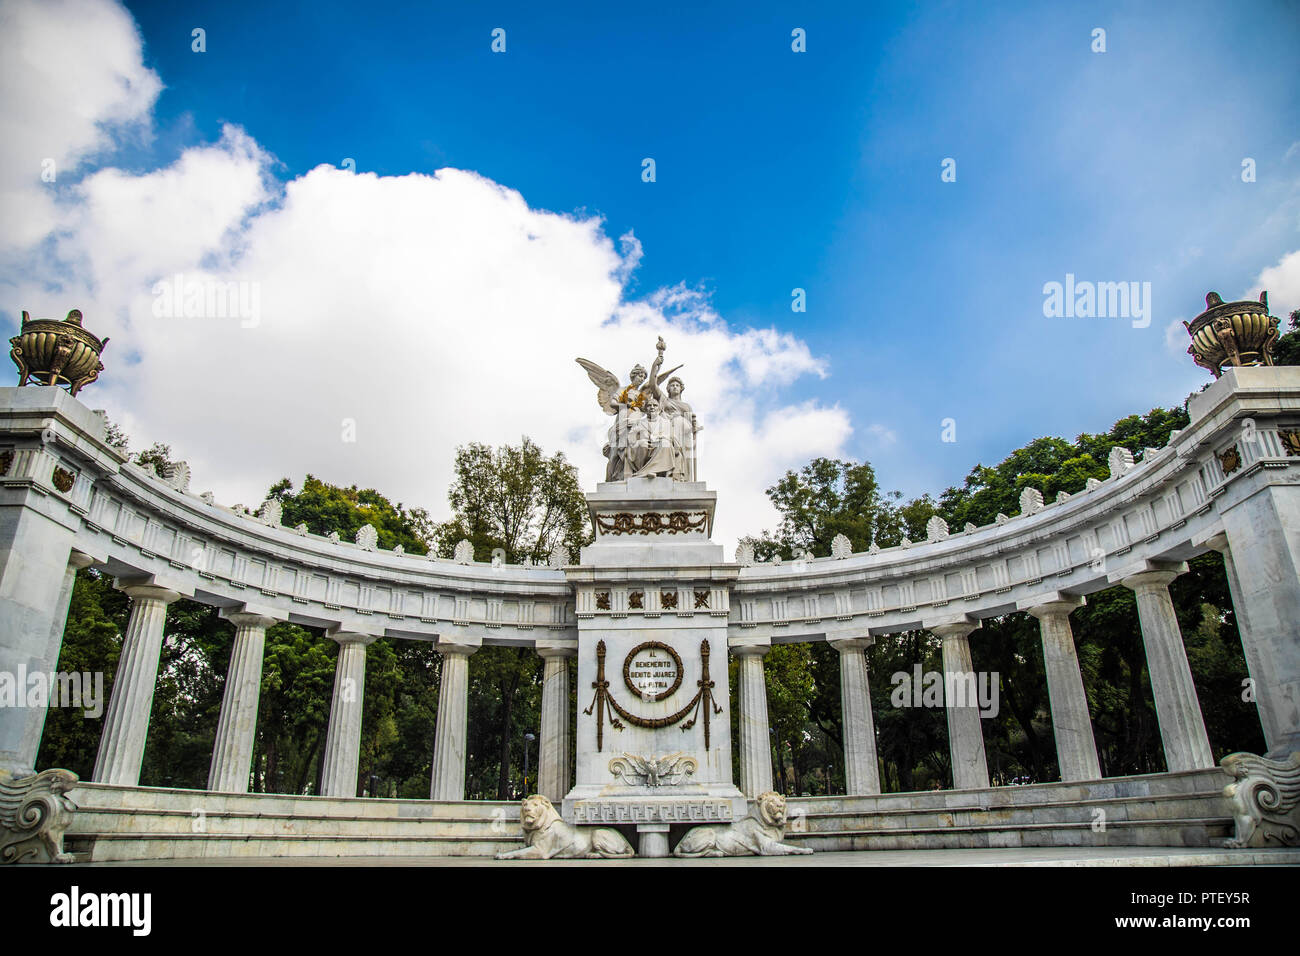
[703, 701]
[651, 522]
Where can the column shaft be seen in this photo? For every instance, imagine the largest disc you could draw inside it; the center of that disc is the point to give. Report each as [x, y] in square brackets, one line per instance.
[343, 739]
[126, 724]
[232, 751]
[861, 768]
[450, 737]
[1182, 728]
[1076, 749]
[965, 736]
[554, 746]
[755, 740]
[1263, 532]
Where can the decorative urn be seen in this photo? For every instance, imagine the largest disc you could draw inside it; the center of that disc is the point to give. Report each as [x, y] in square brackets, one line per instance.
[51, 352]
[1229, 334]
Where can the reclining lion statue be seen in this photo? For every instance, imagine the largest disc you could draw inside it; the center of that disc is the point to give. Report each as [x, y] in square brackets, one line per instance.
[547, 837]
[759, 834]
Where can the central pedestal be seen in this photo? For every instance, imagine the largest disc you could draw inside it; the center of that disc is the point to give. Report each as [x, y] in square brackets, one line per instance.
[653, 745]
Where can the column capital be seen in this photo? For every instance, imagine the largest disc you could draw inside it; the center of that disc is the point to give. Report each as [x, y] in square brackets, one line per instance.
[950, 628]
[247, 615]
[249, 619]
[1054, 604]
[1148, 574]
[149, 592]
[750, 650]
[847, 645]
[1215, 542]
[446, 648]
[352, 637]
[551, 648]
[1149, 580]
[78, 560]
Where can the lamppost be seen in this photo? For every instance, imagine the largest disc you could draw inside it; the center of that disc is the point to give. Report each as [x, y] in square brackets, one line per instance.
[528, 739]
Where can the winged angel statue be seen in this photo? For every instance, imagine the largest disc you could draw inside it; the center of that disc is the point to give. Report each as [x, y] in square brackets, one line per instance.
[652, 434]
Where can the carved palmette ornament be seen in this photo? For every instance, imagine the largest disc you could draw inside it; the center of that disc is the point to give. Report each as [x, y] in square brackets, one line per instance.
[367, 538]
[1265, 798]
[34, 813]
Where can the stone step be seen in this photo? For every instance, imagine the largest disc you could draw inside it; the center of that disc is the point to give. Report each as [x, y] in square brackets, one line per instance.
[138, 823]
[1183, 809]
[1111, 811]
[122, 847]
[1182, 833]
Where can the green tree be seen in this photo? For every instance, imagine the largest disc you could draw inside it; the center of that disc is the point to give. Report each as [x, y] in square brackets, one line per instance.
[326, 508]
[514, 498]
[1287, 350]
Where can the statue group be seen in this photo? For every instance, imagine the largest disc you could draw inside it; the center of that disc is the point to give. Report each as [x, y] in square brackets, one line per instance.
[654, 434]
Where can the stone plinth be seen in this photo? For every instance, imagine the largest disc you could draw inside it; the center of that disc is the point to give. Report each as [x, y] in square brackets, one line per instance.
[652, 521]
[653, 744]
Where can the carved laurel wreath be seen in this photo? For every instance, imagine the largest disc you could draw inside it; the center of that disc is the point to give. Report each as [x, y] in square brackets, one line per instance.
[627, 670]
[651, 522]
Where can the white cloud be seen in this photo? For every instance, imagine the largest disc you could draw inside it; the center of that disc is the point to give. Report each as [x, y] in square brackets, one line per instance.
[1176, 337]
[73, 78]
[1282, 282]
[429, 310]
[882, 434]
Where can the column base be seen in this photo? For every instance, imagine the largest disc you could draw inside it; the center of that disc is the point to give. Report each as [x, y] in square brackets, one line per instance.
[654, 840]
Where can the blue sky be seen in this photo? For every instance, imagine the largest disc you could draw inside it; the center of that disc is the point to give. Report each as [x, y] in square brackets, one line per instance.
[821, 170]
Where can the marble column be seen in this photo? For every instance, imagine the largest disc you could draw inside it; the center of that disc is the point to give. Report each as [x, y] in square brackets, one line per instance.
[965, 736]
[126, 723]
[76, 561]
[232, 752]
[450, 737]
[1076, 749]
[1178, 710]
[555, 748]
[1271, 651]
[343, 739]
[861, 769]
[59, 623]
[755, 739]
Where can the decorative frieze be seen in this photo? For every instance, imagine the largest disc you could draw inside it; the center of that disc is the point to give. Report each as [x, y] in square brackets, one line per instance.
[676, 810]
[652, 522]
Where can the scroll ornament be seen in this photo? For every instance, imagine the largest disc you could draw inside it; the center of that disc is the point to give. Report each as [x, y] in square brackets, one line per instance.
[34, 813]
[1265, 798]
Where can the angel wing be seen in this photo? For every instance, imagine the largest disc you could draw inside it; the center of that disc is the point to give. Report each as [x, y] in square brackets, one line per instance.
[606, 385]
